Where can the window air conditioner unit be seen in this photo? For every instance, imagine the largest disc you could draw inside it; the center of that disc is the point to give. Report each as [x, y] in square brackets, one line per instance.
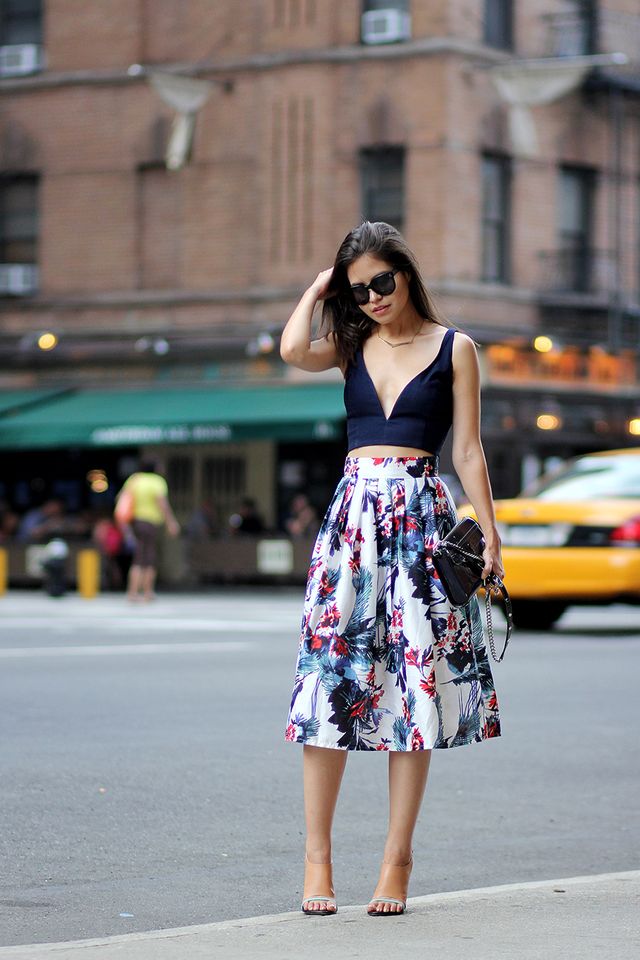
[19, 58]
[385, 26]
[18, 279]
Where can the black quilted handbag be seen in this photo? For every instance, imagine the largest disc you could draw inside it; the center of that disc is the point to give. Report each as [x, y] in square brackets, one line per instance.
[458, 561]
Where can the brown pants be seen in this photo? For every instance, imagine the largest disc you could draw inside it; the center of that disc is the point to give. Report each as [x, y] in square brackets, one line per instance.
[146, 552]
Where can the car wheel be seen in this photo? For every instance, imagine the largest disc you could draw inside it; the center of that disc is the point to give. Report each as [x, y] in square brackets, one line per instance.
[536, 614]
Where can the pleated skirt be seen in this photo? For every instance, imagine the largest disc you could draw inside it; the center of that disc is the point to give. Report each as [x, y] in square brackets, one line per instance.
[384, 661]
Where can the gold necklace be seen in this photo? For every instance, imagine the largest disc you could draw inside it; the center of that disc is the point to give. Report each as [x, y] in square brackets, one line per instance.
[403, 343]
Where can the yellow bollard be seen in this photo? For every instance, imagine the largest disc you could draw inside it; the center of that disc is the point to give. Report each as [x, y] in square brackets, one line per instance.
[4, 570]
[88, 573]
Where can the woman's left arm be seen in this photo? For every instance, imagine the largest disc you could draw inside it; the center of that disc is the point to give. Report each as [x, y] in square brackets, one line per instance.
[468, 456]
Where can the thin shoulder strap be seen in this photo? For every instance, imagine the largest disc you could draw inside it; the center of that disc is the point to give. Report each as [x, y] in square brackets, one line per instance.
[445, 358]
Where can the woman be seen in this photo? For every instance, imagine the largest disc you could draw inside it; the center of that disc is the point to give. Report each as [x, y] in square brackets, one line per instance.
[151, 511]
[384, 662]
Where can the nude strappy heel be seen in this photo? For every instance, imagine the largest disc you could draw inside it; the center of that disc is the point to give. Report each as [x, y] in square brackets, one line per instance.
[319, 880]
[399, 880]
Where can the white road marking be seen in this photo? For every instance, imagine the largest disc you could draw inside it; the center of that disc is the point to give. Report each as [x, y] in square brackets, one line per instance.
[123, 649]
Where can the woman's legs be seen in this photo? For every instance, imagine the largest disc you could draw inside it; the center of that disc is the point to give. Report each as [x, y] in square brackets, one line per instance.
[134, 581]
[148, 582]
[142, 575]
[322, 773]
[141, 581]
[407, 781]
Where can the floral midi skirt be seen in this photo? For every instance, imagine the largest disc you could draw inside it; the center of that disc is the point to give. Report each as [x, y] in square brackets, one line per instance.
[384, 661]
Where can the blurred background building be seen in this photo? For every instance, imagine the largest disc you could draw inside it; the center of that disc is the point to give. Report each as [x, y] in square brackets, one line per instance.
[173, 175]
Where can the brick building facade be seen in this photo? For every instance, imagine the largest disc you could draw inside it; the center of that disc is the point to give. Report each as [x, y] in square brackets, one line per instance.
[320, 113]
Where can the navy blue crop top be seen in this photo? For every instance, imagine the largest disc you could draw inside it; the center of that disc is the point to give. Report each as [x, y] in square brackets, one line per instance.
[422, 415]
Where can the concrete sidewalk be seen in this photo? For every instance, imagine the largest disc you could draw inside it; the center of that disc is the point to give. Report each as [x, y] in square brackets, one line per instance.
[582, 917]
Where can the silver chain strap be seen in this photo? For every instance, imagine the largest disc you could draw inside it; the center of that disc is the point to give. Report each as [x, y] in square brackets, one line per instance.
[465, 553]
[490, 583]
[487, 608]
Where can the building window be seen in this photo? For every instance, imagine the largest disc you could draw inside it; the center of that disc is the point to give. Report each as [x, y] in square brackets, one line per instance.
[20, 22]
[496, 190]
[20, 37]
[18, 235]
[385, 21]
[573, 29]
[575, 210]
[19, 220]
[382, 180]
[402, 6]
[498, 23]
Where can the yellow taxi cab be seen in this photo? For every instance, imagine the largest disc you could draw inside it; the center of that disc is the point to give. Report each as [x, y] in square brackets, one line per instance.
[573, 538]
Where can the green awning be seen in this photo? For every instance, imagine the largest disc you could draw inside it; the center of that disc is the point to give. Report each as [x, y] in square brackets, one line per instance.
[134, 417]
[13, 401]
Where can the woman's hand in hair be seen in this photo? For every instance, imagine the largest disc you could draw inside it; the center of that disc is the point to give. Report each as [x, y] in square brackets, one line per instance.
[321, 284]
[296, 346]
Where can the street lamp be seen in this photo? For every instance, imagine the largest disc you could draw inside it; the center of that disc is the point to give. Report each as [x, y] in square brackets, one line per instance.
[548, 421]
[543, 344]
[47, 340]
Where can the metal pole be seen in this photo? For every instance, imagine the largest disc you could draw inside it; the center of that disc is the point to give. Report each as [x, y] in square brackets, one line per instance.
[615, 208]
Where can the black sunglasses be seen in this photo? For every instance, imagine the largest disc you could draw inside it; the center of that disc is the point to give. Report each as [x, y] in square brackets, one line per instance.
[383, 284]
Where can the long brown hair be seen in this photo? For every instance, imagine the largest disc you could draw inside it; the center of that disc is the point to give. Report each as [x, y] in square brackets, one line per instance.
[340, 313]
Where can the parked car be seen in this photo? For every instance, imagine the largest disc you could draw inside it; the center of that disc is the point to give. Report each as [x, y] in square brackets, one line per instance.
[573, 538]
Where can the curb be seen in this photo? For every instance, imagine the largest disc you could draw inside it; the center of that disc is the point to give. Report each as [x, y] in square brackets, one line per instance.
[477, 893]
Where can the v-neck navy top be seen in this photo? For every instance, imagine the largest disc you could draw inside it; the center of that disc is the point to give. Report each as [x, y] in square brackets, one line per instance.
[421, 416]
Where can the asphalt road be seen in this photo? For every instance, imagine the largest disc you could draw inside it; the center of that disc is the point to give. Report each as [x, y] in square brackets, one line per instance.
[145, 782]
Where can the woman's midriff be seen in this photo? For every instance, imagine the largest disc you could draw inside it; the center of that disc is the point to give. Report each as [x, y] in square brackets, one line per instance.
[382, 450]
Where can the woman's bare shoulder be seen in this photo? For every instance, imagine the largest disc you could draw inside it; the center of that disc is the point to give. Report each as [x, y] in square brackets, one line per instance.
[464, 347]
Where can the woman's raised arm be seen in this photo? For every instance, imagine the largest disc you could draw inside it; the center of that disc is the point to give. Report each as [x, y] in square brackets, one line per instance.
[296, 346]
